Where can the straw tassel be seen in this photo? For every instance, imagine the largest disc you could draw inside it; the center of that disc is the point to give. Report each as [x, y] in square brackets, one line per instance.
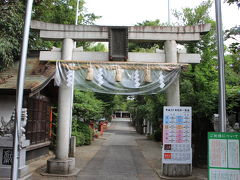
[119, 73]
[89, 76]
[147, 77]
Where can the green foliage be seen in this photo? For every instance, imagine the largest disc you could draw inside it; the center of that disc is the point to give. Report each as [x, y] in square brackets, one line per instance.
[237, 2]
[62, 12]
[150, 23]
[198, 15]
[120, 103]
[11, 24]
[87, 133]
[87, 107]
[80, 138]
[234, 48]
[148, 108]
[99, 47]
[82, 132]
[199, 83]
[108, 104]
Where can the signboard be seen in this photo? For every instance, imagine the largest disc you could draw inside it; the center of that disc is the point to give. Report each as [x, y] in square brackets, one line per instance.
[118, 43]
[7, 157]
[223, 156]
[177, 130]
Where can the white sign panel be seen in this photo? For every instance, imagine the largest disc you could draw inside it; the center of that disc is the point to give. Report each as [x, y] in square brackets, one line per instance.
[224, 174]
[177, 130]
[233, 154]
[218, 153]
[223, 156]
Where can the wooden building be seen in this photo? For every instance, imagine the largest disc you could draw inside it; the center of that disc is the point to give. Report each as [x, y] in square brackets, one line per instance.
[39, 97]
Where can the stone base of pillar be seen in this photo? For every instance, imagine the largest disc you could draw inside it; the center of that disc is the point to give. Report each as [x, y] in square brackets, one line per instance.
[61, 166]
[177, 170]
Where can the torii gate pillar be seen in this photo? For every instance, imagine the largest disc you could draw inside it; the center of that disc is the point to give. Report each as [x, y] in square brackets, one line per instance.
[173, 99]
[173, 93]
[62, 164]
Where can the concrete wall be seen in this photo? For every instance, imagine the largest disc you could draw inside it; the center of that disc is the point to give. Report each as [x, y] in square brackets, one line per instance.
[7, 104]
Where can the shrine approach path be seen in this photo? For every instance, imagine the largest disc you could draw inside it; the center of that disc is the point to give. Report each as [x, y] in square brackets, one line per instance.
[119, 157]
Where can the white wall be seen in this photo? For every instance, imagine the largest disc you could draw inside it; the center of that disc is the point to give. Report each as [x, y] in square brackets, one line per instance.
[7, 104]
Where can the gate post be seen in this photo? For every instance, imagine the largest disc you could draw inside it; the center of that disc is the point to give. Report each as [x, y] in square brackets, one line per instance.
[62, 164]
[173, 92]
[173, 99]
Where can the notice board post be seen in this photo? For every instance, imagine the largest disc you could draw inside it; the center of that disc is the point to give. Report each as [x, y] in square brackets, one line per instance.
[177, 131]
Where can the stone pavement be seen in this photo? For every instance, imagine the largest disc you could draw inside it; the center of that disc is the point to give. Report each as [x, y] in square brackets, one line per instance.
[120, 154]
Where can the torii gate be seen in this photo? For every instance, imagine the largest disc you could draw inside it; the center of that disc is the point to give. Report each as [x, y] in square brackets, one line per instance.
[63, 164]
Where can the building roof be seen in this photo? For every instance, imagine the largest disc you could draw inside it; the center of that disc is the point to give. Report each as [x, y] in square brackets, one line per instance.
[38, 75]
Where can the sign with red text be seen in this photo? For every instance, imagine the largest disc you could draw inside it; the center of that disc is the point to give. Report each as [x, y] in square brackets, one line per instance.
[177, 130]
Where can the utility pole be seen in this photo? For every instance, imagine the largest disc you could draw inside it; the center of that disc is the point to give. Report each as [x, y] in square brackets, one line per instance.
[77, 13]
[169, 19]
[221, 67]
[19, 92]
[72, 95]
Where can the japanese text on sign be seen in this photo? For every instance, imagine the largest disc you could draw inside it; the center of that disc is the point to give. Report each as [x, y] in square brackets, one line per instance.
[177, 128]
[224, 159]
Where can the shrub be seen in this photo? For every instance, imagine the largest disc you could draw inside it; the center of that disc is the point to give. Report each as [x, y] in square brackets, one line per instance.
[87, 132]
[80, 138]
[79, 128]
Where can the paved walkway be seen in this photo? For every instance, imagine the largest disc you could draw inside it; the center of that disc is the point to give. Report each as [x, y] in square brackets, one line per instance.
[119, 158]
[120, 154]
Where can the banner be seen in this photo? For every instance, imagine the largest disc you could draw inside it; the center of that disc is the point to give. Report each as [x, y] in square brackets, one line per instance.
[124, 79]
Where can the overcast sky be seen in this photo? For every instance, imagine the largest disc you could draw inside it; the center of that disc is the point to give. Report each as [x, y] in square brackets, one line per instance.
[131, 12]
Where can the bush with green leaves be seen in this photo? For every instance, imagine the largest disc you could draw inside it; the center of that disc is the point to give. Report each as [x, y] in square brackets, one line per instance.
[80, 138]
[87, 107]
[82, 132]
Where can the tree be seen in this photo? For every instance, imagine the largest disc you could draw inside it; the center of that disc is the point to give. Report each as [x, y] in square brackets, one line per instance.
[62, 12]
[11, 24]
[199, 83]
[99, 47]
[87, 107]
[108, 104]
[237, 2]
[233, 70]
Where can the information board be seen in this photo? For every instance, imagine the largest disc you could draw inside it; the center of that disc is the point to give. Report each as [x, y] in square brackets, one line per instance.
[177, 130]
[223, 156]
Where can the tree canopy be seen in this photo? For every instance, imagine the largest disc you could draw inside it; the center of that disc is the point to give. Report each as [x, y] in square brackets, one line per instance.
[198, 83]
[12, 20]
[237, 2]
